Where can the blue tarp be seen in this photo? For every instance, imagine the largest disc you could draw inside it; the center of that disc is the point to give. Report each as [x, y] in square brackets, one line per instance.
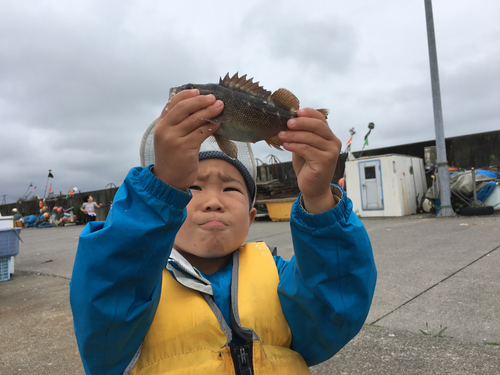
[486, 191]
[483, 193]
[490, 174]
[30, 221]
[45, 224]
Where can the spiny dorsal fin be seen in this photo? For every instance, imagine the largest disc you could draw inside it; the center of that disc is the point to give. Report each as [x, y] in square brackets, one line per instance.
[286, 99]
[244, 84]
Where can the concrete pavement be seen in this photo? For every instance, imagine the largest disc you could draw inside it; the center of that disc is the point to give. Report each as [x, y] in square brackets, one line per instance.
[433, 273]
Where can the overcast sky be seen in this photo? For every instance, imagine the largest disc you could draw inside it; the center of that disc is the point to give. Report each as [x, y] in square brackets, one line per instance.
[80, 81]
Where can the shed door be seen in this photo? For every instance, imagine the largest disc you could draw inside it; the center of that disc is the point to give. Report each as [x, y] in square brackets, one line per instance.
[371, 185]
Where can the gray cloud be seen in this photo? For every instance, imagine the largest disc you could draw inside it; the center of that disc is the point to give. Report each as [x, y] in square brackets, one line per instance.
[80, 82]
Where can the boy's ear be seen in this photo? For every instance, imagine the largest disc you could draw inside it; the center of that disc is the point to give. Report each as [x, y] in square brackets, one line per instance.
[253, 213]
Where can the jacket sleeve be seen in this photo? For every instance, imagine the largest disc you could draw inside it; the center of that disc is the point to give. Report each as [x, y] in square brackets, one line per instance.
[326, 289]
[116, 281]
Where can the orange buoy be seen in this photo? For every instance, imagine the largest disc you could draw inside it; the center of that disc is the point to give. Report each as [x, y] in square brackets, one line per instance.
[342, 183]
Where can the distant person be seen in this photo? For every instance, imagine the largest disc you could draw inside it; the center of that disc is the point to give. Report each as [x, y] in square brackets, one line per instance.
[89, 208]
[16, 215]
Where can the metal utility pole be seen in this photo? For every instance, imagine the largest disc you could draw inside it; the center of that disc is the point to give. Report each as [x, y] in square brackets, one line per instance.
[445, 209]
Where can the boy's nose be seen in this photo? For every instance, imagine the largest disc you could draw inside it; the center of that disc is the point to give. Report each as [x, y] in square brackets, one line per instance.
[213, 203]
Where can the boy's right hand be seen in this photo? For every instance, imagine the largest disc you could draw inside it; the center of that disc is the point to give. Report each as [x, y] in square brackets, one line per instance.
[179, 133]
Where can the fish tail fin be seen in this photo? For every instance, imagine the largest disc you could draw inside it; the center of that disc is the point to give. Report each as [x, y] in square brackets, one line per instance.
[274, 142]
[324, 112]
[226, 146]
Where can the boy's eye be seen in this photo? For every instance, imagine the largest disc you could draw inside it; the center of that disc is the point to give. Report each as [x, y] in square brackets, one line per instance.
[231, 189]
[194, 187]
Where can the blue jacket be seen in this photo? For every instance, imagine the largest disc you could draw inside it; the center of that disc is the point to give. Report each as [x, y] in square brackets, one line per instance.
[325, 290]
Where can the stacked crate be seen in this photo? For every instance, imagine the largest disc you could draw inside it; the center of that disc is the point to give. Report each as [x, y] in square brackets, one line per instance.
[9, 246]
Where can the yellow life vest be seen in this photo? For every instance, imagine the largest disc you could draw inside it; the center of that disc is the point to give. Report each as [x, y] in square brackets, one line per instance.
[187, 337]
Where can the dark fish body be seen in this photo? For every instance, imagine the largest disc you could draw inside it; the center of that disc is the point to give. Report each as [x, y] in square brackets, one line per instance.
[247, 118]
[250, 114]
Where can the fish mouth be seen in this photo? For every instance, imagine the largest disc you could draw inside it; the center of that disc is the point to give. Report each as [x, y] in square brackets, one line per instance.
[173, 91]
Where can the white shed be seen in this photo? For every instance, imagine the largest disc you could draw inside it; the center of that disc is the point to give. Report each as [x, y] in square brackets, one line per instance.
[386, 185]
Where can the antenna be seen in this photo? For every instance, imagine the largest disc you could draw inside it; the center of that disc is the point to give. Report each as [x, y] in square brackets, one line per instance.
[49, 176]
[352, 131]
[371, 126]
[25, 195]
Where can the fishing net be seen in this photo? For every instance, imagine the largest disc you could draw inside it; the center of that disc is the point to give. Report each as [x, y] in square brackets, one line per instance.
[245, 153]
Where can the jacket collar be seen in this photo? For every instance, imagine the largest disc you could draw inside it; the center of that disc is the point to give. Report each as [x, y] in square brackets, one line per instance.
[185, 274]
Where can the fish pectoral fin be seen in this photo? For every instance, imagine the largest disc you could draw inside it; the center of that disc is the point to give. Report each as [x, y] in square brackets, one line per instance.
[219, 119]
[286, 99]
[274, 142]
[324, 112]
[226, 146]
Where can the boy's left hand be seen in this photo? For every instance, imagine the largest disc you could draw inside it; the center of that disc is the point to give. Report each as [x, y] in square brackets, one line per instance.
[315, 153]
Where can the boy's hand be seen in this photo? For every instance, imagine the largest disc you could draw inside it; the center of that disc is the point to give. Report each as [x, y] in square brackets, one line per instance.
[179, 133]
[315, 152]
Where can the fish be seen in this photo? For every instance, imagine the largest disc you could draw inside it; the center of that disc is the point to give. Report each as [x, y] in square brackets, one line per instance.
[251, 113]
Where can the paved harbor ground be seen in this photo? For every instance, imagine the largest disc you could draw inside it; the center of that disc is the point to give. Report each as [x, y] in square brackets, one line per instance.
[435, 311]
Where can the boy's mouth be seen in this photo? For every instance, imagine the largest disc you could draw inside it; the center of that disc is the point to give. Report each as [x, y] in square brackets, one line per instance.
[214, 225]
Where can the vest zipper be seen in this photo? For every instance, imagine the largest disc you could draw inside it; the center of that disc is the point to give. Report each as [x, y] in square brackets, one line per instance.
[242, 359]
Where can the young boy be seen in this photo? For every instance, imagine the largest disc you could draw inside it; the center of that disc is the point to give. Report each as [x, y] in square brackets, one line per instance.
[164, 286]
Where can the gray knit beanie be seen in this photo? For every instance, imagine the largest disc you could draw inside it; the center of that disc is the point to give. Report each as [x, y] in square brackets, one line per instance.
[249, 182]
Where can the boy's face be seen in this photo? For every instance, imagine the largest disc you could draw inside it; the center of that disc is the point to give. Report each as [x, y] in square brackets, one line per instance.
[218, 216]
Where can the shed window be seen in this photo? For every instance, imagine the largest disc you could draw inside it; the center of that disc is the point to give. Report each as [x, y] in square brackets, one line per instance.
[370, 173]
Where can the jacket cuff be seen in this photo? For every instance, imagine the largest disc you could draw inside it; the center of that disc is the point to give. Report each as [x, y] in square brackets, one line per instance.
[161, 191]
[323, 219]
[337, 195]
